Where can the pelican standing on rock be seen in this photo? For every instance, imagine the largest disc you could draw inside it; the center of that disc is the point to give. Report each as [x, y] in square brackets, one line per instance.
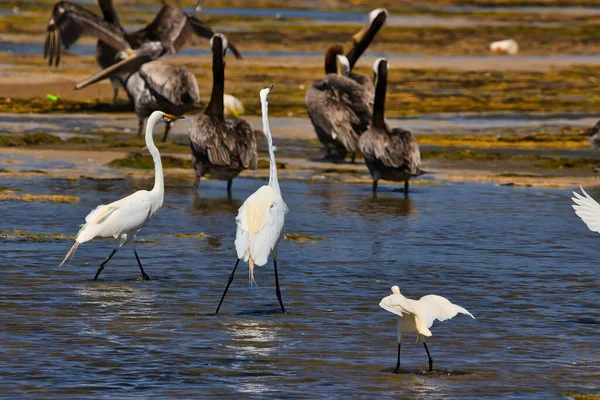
[123, 219]
[261, 218]
[222, 146]
[417, 316]
[153, 85]
[339, 106]
[390, 154]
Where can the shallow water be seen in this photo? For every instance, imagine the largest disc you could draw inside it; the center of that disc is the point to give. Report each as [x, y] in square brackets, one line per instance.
[518, 259]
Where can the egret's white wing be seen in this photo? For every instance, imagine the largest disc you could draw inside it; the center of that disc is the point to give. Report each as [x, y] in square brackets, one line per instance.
[432, 307]
[99, 213]
[122, 216]
[260, 224]
[397, 304]
[587, 209]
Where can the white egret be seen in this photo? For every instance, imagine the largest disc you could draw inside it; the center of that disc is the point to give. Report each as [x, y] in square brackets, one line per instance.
[261, 218]
[417, 316]
[123, 219]
[587, 209]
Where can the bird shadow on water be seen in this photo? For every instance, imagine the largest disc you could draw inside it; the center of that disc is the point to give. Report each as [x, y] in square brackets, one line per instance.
[425, 372]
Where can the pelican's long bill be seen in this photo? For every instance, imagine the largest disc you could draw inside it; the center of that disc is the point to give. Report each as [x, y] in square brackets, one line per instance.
[172, 117]
[376, 20]
[130, 64]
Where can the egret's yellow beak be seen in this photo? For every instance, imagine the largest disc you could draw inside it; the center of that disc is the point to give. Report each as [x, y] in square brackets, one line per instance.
[171, 117]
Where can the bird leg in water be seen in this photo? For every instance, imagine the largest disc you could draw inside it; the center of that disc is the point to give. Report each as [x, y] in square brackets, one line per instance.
[277, 286]
[115, 95]
[406, 191]
[398, 362]
[374, 186]
[101, 267]
[140, 126]
[229, 182]
[199, 170]
[228, 284]
[353, 158]
[144, 275]
[167, 129]
[429, 356]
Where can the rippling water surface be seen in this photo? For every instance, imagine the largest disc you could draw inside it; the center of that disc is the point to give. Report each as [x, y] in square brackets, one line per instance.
[518, 259]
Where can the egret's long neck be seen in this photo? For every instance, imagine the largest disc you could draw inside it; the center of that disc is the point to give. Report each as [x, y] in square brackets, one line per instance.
[378, 117]
[273, 182]
[159, 184]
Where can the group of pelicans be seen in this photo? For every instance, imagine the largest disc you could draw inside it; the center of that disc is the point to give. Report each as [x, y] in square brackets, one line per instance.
[346, 109]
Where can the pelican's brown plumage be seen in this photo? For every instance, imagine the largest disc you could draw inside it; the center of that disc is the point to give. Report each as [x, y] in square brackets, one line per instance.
[339, 106]
[222, 146]
[172, 27]
[390, 154]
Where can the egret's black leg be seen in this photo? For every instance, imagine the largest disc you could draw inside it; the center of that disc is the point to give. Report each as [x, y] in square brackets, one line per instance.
[101, 267]
[429, 356]
[229, 182]
[167, 129]
[353, 158]
[406, 186]
[374, 186]
[277, 286]
[227, 287]
[398, 362]
[144, 275]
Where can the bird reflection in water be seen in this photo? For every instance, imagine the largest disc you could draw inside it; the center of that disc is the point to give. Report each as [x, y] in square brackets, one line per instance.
[226, 205]
[377, 204]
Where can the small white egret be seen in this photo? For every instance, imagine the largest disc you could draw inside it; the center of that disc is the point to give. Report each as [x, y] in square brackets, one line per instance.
[587, 209]
[123, 219]
[261, 218]
[417, 316]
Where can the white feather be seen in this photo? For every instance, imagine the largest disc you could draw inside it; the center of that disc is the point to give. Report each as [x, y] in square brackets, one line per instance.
[587, 209]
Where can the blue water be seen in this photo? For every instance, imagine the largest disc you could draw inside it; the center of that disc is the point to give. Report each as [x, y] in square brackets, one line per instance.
[518, 259]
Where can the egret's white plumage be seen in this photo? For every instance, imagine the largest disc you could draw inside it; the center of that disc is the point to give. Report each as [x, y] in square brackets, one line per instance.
[587, 209]
[124, 218]
[417, 316]
[261, 218]
[232, 106]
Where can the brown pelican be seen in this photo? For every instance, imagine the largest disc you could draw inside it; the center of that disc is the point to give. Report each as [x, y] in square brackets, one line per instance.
[172, 27]
[153, 85]
[339, 106]
[390, 154]
[222, 146]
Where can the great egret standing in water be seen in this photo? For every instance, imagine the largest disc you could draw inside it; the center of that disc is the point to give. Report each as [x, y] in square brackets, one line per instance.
[417, 316]
[261, 218]
[123, 219]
